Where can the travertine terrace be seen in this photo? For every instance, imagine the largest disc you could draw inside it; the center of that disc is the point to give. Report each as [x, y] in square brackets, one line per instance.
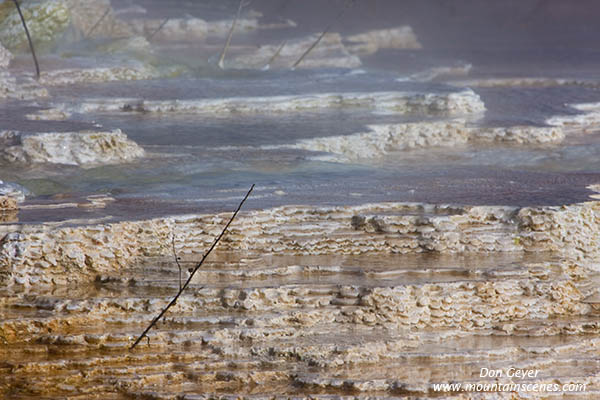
[305, 300]
[455, 103]
[421, 214]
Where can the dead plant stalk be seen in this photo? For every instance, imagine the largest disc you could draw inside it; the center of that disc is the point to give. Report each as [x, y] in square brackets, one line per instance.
[348, 4]
[98, 22]
[196, 268]
[221, 62]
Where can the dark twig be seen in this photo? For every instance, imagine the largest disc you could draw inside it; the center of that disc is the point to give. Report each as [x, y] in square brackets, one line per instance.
[312, 46]
[159, 28]
[275, 55]
[35, 61]
[322, 35]
[176, 259]
[221, 63]
[97, 24]
[189, 279]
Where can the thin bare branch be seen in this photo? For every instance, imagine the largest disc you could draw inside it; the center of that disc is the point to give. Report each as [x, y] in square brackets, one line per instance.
[35, 61]
[221, 63]
[275, 55]
[189, 279]
[312, 46]
[97, 24]
[159, 28]
[176, 258]
[322, 35]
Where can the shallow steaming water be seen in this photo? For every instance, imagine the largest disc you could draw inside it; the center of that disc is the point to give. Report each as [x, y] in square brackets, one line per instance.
[206, 161]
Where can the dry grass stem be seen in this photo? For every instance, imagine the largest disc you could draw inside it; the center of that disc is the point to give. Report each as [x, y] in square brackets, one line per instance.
[159, 28]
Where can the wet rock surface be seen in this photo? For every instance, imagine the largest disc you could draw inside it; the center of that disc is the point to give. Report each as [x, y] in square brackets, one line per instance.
[381, 140]
[70, 148]
[13, 191]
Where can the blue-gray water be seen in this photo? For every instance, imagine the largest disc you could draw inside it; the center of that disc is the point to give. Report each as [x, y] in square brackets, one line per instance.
[206, 162]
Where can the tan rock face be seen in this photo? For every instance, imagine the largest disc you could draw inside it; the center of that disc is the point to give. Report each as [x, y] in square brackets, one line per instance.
[7, 203]
[384, 228]
[383, 310]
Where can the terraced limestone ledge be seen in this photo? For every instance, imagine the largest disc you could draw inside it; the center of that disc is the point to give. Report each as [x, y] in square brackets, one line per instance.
[382, 139]
[449, 104]
[48, 255]
[310, 302]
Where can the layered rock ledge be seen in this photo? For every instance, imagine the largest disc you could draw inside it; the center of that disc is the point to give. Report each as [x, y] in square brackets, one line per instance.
[380, 299]
[382, 139]
[70, 148]
[81, 253]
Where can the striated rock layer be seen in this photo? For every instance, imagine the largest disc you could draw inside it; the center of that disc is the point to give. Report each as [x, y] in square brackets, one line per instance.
[77, 253]
[383, 300]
